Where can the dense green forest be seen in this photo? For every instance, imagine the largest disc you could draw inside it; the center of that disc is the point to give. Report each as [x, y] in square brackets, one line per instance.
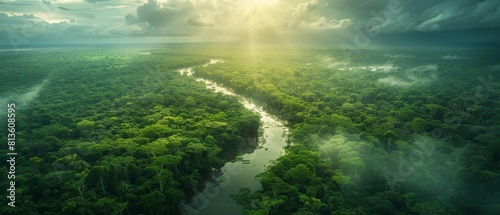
[120, 131]
[111, 131]
[390, 132]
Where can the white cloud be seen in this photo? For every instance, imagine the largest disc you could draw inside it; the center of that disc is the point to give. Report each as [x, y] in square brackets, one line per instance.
[281, 19]
[323, 23]
[452, 57]
[432, 24]
[244, 19]
[200, 20]
[304, 11]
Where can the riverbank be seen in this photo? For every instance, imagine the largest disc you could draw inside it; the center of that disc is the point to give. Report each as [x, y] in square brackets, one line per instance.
[234, 175]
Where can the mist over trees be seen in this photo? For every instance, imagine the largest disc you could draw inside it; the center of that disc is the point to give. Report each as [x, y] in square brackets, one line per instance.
[114, 131]
[377, 147]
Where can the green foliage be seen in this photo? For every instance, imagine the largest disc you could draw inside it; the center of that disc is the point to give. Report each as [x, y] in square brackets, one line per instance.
[116, 132]
[119, 135]
[373, 137]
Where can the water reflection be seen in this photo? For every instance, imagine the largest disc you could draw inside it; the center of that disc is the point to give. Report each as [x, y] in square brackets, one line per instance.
[216, 197]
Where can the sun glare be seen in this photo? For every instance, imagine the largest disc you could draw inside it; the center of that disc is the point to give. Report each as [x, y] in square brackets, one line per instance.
[264, 2]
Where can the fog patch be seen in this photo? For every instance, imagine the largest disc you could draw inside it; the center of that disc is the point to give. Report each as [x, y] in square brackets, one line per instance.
[397, 56]
[331, 63]
[26, 98]
[386, 68]
[348, 151]
[452, 57]
[21, 99]
[213, 61]
[382, 68]
[413, 76]
[395, 82]
[425, 165]
[494, 68]
[421, 164]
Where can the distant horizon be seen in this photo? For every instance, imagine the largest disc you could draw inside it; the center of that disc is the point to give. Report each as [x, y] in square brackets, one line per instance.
[446, 45]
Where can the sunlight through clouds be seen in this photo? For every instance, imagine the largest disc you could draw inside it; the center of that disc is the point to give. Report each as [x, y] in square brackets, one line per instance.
[316, 21]
[245, 19]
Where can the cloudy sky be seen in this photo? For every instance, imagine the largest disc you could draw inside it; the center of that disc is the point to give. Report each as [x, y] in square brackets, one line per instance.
[353, 23]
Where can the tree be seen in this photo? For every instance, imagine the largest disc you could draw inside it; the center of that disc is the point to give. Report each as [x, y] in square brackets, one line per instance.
[107, 205]
[418, 124]
[353, 162]
[390, 135]
[153, 202]
[157, 147]
[97, 175]
[85, 128]
[428, 207]
[162, 176]
[341, 179]
[167, 160]
[408, 197]
[77, 205]
[175, 197]
[299, 175]
[156, 131]
[310, 203]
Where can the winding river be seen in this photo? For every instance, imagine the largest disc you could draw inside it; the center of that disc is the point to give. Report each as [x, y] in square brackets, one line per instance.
[216, 197]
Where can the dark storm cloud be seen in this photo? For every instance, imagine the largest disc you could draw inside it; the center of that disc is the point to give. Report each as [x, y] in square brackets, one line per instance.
[158, 15]
[422, 16]
[321, 21]
[7, 21]
[19, 30]
[413, 23]
[59, 21]
[67, 9]
[450, 15]
[15, 30]
[20, 3]
[359, 9]
[96, 1]
[485, 38]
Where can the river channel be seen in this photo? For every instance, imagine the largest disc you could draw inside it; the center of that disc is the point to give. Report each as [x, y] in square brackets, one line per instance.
[216, 199]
